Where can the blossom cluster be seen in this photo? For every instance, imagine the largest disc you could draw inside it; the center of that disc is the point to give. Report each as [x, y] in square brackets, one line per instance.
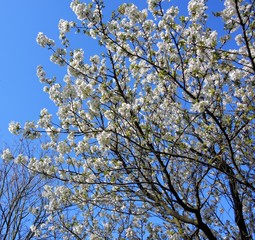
[44, 41]
[7, 155]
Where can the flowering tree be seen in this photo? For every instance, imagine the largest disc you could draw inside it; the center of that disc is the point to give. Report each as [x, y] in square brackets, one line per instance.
[155, 137]
[21, 202]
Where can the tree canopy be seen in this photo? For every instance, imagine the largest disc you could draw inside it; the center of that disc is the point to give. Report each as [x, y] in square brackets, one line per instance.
[21, 202]
[154, 137]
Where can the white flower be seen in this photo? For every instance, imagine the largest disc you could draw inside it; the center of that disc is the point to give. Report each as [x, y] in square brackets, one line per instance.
[239, 39]
[95, 59]
[63, 148]
[109, 115]
[30, 130]
[83, 89]
[44, 41]
[20, 159]
[6, 155]
[36, 231]
[129, 232]
[152, 4]
[82, 146]
[34, 210]
[80, 9]
[45, 118]
[33, 228]
[63, 26]
[14, 128]
[200, 106]
[196, 9]
[103, 138]
[124, 110]
[78, 55]
[93, 33]
[58, 57]
[78, 229]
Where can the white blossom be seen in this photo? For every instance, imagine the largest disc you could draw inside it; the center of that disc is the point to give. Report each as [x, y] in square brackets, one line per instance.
[7, 155]
[196, 9]
[21, 159]
[103, 138]
[63, 26]
[78, 229]
[44, 41]
[14, 128]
